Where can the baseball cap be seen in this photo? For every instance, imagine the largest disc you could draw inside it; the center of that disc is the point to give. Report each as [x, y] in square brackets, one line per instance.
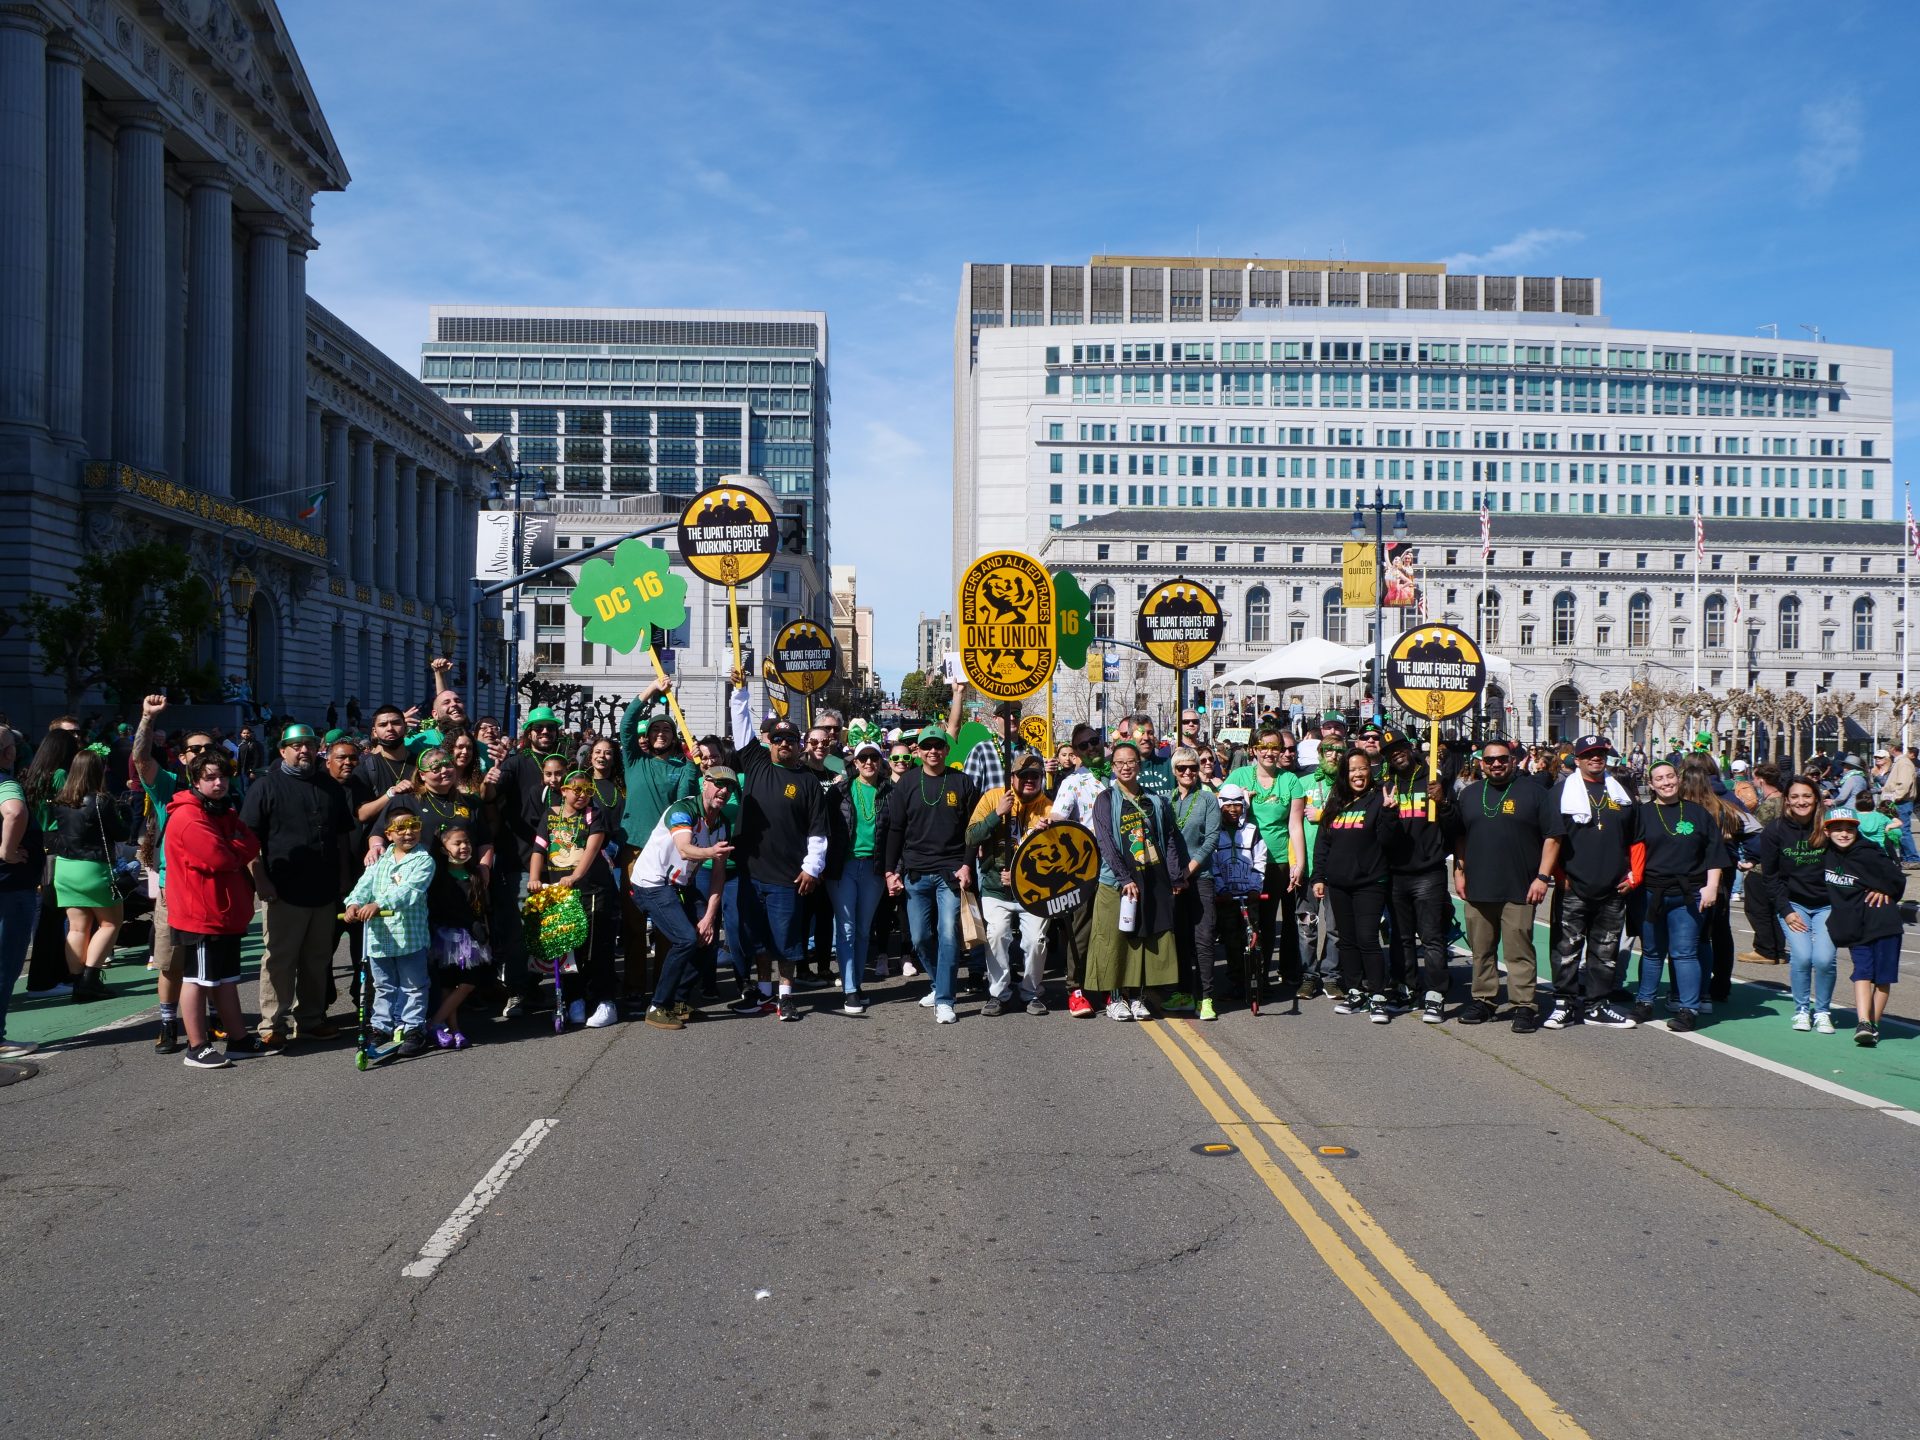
[1739, 767]
[1391, 738]
[1589, 744]
[1879, 754]
[1232, 795]
[1842, 817]
[866, 747]
[783, 730]
[1028, 760]
[722, 775]
[933, 734]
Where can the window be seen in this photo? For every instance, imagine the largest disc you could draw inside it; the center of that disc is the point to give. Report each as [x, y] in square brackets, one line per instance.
[1102, 609]
[1790, 623]
[1139, 552]
[1716, 622]
[1863, 624]
[1640, 621]
[1333, 617]
[1259, 616]
[1489, 617]
[1563, 610]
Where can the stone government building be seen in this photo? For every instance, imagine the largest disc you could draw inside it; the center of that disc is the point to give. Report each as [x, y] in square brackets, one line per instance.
[164, 373]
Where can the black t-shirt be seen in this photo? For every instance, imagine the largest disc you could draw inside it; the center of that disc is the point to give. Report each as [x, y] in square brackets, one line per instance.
[561, 838]
[1420, 844]
[1595, 852]
[1683, 844]
[357, 791]
[521, 804]
[927, 822]
[781, 806]
[439, 813]
[1503, 831]
[300, 820]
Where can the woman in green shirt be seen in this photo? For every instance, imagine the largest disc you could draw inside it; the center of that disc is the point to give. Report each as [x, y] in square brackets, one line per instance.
[1276, 801]
[855, 885]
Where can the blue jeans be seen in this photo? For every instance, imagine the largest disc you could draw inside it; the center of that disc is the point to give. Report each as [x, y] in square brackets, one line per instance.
[672, 914]
[1811, 964]
[737, 955]
[399, 981]
[770, 922]
[19, 913]
[1671, 930]
[930, 896]
[1909, 853]
[857, 892]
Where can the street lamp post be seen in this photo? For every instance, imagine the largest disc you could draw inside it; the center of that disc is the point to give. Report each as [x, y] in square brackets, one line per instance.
[1379, 507]
[520, 476]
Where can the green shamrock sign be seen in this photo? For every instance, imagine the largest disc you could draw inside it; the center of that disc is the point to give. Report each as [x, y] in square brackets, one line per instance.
[1072, 620]
[620, 598]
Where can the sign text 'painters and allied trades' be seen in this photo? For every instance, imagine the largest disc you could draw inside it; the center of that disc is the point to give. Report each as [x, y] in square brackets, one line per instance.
[1006, 625]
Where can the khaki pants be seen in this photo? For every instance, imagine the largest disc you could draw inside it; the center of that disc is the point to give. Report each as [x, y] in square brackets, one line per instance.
[296, 967]
[167, 959]
[1494, 929]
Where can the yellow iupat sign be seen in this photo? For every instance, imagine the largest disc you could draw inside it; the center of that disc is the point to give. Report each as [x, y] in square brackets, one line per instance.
[1180, 624]
[803, 654]
[1436, 671]
[1054, 869]
[1005, 622]
[727, 535]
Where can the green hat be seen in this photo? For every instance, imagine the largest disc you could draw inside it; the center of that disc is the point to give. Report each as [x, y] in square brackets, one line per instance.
[298, 732]
[539, 715]
[933, 732]
[1702, 739]
[331, 736]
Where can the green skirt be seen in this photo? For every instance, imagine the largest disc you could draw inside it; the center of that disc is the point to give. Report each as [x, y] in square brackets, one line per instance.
[1117, 961]
[82, 885]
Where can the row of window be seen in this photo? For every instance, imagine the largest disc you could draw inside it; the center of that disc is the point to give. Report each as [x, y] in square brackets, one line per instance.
[1109, 432]
[759, 400]
[693, 372]
[1445, 352]
[1255, 497]
[1528, 559]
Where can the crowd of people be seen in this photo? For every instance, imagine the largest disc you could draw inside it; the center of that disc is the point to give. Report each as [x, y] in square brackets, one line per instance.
[586, 878]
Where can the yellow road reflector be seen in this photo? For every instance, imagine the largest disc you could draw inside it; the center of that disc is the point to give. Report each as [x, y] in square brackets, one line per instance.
[1332, 1150]
[1217, 1148]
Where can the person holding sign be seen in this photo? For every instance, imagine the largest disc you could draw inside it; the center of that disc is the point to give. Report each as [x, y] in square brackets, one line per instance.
[1143, 867]
[1417, 876]
[1002, 819]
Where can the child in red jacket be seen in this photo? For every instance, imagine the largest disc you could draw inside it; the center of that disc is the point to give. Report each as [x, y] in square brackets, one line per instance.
[209, 854]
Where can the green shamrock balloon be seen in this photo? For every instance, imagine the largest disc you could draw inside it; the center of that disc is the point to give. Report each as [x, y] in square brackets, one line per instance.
[1072, 620]
[620, 598]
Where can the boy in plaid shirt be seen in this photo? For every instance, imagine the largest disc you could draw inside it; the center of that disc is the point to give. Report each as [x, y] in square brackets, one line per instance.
[391, 898]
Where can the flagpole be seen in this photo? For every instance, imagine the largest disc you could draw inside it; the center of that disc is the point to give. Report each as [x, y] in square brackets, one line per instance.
[1906, 615]
[1699, 552]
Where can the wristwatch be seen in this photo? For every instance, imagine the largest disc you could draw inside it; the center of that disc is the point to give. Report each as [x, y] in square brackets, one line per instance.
[1544, 879]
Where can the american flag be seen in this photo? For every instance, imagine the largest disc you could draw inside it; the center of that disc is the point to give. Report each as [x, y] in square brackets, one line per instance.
[1913, 532]
[1699, 538]
[1486, 530]
[1737, 611]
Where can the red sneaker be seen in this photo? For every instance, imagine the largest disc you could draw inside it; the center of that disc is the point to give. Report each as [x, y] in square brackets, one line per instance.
[1079, 1004]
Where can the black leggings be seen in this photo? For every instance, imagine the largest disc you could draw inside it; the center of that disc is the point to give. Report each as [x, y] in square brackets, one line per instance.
[1356, 919]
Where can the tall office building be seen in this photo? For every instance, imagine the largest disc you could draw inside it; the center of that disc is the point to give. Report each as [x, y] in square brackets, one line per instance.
[1212, 403]
[614, 417]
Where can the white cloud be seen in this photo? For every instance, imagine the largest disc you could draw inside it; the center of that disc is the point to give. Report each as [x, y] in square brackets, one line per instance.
[1521, 248]
[1832, 134]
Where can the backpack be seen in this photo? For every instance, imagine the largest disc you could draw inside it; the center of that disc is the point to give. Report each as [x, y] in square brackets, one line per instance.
[1744, 792]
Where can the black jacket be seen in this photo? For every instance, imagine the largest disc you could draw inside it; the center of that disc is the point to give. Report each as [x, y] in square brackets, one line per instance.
[1849, 875]
[305, 829]
[1353, 842]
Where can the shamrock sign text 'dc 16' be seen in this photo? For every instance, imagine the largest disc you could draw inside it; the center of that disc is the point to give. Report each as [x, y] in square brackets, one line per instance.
[619, 599]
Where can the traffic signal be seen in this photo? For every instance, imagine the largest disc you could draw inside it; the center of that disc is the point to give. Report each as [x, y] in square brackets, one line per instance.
[793, 535]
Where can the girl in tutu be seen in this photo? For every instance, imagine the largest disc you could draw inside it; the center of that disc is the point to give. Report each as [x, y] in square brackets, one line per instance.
[457, 919]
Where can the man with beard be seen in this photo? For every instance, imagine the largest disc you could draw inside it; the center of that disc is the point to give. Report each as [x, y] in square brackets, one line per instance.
[1503, 869]
[1417, 876]
[387, 765]
[306, 839]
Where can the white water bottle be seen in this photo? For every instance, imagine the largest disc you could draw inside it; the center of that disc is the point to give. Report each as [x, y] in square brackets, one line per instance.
[1129, 913]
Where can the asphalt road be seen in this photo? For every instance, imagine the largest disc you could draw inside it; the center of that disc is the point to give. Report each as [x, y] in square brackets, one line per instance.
[877, 1227]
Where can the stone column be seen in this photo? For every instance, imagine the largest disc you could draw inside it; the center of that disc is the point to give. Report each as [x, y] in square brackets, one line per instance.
[210, 329]
[428, 585]
[364, 518]
[66, 238]
[139, 286]
[314, 471]
[406, 526]
[339, 496]
[269, 420]
[98, 423]
[23, 218]
[386, 512]
[297, 473]
[452, 567]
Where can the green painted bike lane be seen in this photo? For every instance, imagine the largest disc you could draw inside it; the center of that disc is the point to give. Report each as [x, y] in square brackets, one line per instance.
[53, 1020]
[1757, 1019]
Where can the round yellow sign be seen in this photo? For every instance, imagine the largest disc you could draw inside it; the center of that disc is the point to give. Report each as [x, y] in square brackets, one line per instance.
[1005, 624]
[803, 653]
[1033, 730]
[776, 690]
[1055, 869]
[1435, 671]
[1180, 624]
[727, 535]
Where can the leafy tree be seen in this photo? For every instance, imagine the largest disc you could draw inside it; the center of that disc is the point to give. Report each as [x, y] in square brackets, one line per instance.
[127, 624]
[924, 695]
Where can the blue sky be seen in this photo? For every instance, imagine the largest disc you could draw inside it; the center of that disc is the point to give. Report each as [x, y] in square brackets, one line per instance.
[1720, 166]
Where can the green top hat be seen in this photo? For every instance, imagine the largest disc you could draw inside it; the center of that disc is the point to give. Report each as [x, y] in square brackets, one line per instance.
[539, 715]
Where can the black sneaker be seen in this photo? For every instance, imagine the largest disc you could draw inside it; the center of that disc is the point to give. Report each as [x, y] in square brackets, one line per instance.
[1641, 1012]
[751, 1003]
[1351, 1003]
[1865, 1035]
[1610, 1015]
[1400, 999]
[994, 1006]
[1526, 1020]
[1683, 1020]
[854, 1004]
[1378, 1010]
[1474, 1012]
[1310, 988]
[245, 1044]
[1565, 1012]
[204, 1057]
[1434, 1011]
[786, 1007]
[415, 1043]
[167, 1042]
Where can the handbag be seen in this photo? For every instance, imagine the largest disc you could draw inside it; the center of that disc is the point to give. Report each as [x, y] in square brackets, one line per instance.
[125, 876]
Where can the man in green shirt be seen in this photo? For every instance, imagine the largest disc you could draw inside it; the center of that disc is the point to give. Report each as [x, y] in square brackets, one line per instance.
[1277, 803]
[1320, 955]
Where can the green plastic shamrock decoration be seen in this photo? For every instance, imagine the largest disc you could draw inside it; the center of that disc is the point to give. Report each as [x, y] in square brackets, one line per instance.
[620, 599]
[1072, 620]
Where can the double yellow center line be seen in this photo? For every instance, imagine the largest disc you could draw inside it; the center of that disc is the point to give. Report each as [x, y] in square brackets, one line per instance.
[1253, 1127]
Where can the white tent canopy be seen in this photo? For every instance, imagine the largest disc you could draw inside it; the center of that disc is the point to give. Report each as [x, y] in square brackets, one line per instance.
[1304, 662]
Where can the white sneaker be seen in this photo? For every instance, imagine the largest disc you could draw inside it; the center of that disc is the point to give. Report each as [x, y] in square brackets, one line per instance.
[603, 1015]
[1139, 1009]
[1118, 1009]
[926, 1001]
[576, 1012]
[1823, 1023]
[1803, 1020]
[909, 969]
[943, 1015]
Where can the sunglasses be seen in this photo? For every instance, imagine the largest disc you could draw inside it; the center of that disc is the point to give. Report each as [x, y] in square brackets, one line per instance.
[866, 759]
[778, 739]
[1186, 769]
[901, 759]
